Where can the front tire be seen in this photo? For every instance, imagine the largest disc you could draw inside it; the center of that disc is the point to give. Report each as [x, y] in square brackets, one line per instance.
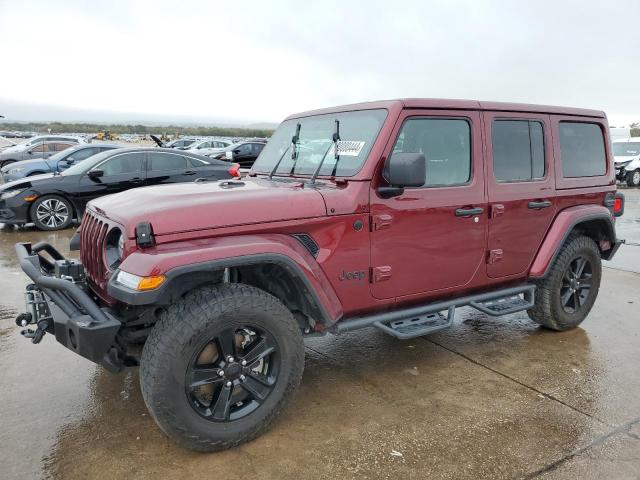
[633, 178]
[220, 365]
[566, 295]
[52, 212]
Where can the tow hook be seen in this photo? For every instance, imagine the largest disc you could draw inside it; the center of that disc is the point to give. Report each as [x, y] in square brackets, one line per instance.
[36, 335]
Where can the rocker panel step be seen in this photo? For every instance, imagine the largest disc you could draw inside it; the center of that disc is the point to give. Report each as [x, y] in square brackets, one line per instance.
[504, 305]
[416, 321]
[418, 326]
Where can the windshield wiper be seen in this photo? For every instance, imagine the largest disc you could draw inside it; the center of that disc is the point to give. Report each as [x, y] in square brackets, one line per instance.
[336, 139]
[294, 141]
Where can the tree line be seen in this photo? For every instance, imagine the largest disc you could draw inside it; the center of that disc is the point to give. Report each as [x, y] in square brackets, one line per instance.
[61, 127]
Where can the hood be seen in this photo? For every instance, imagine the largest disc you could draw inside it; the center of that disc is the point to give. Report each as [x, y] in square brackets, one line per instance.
[183, 207]
[36, 162]
[24, 183]
[15, 148]
[625, 159]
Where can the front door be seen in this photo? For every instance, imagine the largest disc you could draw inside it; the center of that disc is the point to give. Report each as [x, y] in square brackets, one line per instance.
[520, 180]
[431, 238]
[120, 172]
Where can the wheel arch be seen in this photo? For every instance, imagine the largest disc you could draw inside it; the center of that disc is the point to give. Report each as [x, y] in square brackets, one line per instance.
[277, 264]
[594, 221]
[74, 208]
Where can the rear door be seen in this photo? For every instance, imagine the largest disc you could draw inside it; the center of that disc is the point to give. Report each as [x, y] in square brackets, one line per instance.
[521, 189]
[164, 167]
[431, 238]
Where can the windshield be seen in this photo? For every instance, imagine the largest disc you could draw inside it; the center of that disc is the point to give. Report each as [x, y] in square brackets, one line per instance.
[358, 131]
[86, 165]
[626, 149]
[60, 155]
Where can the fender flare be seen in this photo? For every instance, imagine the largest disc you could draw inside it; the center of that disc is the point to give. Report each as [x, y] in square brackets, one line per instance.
[563, 224]
[228, 252]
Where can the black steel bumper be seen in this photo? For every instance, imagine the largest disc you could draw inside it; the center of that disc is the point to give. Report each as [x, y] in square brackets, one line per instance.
[75, 319]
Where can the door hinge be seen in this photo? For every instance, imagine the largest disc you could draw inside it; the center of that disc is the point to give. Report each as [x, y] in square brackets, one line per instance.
[380, 222]
[497, 209]
[380, 274]
[494, 256]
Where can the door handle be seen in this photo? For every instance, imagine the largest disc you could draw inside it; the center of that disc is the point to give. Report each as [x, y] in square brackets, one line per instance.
[136, 180]
[540, 204]
[189, 172]
[467, 212]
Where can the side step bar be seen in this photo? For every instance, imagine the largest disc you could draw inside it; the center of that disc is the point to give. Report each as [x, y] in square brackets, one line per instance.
[422, 320]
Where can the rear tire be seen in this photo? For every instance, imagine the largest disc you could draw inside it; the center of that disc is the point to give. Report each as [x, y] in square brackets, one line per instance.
[187, 347]
[566, 295]
[52, 212]
[633, 178]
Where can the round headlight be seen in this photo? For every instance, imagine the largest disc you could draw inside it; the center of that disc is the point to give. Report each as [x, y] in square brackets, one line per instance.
[114, 247]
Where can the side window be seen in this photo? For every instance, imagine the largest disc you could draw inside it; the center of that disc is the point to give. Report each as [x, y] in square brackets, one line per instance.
[582, 150]
[245, 149]
[166, 161]
[39, 148]
[518, 150]
[126, 163]
[58, 147]
[204, 145]
[446, 144]
[257, 148]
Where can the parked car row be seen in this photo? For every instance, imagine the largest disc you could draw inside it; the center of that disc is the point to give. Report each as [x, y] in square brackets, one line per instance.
[53, 201]
[41, 146]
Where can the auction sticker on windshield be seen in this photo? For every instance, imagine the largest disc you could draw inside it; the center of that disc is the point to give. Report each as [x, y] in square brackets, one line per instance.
[350, 148]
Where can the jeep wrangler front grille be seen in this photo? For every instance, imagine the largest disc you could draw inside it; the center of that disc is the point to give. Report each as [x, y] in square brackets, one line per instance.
[93, 231]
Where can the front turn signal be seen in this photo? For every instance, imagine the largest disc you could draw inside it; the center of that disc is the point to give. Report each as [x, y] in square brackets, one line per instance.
[149, 283]
[136, 282]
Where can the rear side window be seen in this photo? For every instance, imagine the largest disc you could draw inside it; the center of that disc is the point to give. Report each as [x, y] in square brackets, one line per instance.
[582, 150]
[167, 161]
[446, 144]
[518, 150]
[121, 164]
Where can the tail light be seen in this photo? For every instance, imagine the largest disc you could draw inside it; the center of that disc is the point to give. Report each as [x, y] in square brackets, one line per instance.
[234, 170]
[618, 204]
[615, 202]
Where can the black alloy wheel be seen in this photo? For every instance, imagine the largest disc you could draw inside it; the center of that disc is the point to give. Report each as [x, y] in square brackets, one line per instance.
[232, 374]
[576, 285]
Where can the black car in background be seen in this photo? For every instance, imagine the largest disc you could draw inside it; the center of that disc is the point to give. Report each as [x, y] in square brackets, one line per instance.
[244, 153]
[52, 201]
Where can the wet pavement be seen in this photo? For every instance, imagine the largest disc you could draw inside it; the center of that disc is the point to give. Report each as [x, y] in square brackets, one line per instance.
[488, 398]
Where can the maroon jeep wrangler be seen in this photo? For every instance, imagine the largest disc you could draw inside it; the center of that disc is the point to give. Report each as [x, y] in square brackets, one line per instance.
[387, 214]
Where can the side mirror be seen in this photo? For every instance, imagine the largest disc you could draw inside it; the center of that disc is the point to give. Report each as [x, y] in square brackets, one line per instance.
[29, 152]
[236, 151]
[95, 174]
[403, 170]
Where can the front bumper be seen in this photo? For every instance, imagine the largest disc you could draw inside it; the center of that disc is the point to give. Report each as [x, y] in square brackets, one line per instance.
[75, 319]
[14, 211]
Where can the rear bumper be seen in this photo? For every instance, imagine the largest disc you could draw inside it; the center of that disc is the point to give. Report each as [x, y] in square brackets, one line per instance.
[76, 320]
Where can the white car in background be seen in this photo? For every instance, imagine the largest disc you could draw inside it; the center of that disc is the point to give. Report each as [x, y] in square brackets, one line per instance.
[626, 158]
[20, 147]
[208, 147]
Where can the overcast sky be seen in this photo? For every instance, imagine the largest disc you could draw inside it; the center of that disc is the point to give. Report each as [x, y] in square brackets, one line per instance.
[259, 61]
